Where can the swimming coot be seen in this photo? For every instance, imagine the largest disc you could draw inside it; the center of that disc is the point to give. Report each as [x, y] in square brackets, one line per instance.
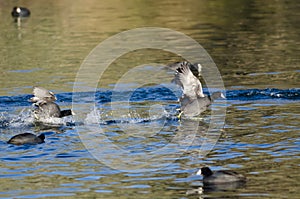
[20, 12]
[220, 177]
[45, 105]
[193, 101]
[26, 138]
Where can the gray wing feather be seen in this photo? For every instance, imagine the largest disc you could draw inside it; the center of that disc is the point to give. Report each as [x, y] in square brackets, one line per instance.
[42, 95]
[191, 86]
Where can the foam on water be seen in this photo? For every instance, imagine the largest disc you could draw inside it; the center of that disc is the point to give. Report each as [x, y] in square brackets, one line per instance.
[24, 118]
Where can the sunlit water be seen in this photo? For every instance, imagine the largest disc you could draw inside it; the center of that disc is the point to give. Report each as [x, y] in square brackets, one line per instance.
[115, 149]
[62, 166]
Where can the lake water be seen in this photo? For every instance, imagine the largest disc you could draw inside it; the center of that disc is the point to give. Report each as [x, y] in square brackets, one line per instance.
[125, 140]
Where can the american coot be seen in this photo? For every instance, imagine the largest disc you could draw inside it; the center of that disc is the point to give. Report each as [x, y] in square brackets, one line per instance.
[196, 68]
[45, 105]
[220, 177]
[20, 12]
[193, 102]
[26, 138]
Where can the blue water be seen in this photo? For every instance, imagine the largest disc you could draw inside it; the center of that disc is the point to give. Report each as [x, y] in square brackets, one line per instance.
[140, 134]
[13, 107]
[115, 149]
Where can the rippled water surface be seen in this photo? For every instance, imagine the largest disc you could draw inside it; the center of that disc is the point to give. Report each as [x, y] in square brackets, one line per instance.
[128, 142]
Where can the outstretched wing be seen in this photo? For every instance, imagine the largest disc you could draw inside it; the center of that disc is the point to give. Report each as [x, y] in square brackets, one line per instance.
[191, 86]
[42, 95]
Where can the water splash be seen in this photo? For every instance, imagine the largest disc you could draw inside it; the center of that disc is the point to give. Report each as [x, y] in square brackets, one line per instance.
[93, 117]
[24, 118]
[134, 113]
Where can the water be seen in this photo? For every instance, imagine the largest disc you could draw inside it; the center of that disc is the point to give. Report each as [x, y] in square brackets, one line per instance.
[140, 149]
[264, 150]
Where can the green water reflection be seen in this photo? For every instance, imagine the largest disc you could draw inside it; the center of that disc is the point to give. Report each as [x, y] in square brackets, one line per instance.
[250, 41]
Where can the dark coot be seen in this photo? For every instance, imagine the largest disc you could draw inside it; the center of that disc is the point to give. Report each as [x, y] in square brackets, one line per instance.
[26, 138]
[220, 177]
[20, 12]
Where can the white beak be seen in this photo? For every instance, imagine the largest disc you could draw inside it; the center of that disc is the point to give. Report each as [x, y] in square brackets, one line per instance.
[199, 68]
[222, 96]
[198, 172]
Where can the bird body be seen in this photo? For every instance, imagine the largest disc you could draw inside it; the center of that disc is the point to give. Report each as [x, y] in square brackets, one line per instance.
[193, 107]
[219, 177]
[47, 110]
[26, 138]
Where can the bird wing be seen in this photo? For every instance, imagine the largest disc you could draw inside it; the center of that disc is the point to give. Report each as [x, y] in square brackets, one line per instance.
[233, 174]
[42, 95]
[191, 86]
[174, 66]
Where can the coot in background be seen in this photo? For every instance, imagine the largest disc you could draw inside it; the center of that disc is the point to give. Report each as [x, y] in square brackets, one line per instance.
[20, 12]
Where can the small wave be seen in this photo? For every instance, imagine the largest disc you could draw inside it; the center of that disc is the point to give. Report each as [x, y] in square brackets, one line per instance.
[258, 94]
